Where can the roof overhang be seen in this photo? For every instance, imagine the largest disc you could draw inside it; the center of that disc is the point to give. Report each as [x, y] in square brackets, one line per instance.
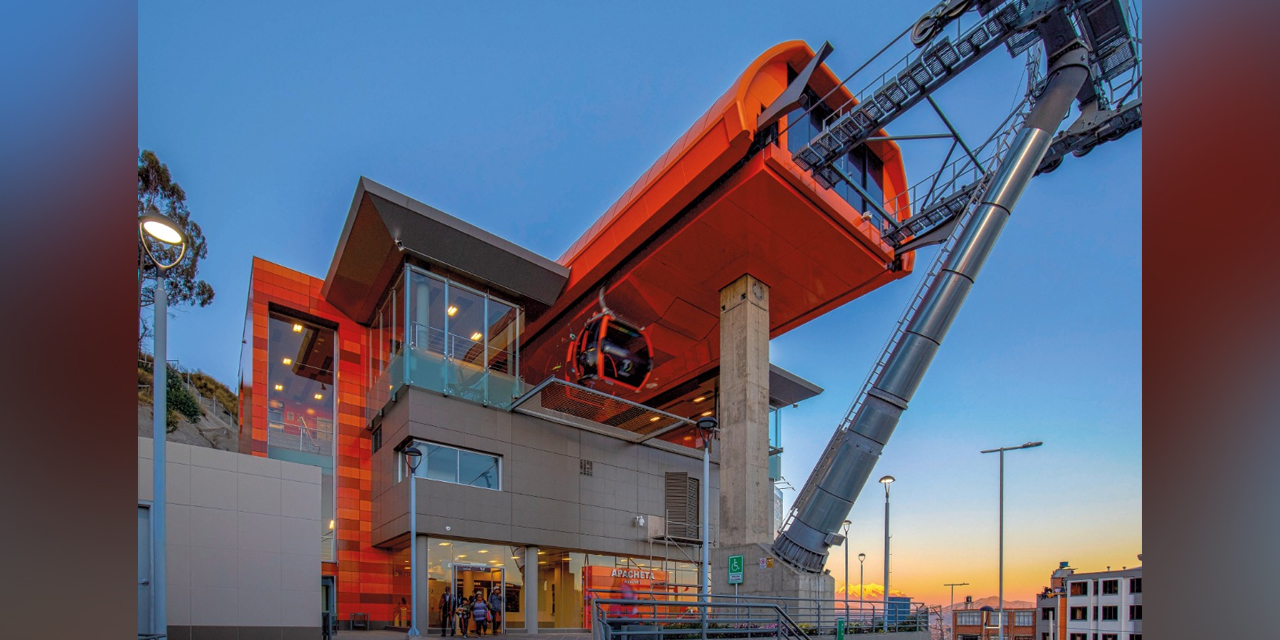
[786, 388]
[384, 225]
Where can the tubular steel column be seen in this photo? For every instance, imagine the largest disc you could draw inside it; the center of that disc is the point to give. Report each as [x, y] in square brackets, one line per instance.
[806, 540]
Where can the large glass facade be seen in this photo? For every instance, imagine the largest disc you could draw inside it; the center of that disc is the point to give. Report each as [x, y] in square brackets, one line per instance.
[301, 405]
[440, 335]
[861, 165]
[566, 580]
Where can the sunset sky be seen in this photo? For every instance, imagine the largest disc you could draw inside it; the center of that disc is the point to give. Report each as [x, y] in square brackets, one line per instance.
[530, 120]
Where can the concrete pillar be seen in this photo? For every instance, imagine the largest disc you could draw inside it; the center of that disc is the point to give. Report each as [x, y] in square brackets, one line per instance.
[746, 495]
[424, 595]
[530, 589]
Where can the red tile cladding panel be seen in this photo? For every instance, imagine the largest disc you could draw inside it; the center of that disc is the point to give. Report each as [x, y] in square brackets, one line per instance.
[362, 570]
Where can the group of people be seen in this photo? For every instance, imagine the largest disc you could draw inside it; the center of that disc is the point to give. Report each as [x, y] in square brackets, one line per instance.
[458, 613]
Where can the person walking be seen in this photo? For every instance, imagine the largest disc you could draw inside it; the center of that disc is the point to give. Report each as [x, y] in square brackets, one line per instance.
[446, 612]
[480, 611]
[464, 616]
[495, 612]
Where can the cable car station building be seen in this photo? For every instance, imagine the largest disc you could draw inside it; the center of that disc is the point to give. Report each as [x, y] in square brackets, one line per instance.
[554, 401]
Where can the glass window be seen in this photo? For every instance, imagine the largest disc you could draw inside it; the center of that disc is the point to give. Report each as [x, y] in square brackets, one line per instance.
[300, 405]
[477, 470]
[968, 618]
[1135, 612]
[1024, 618]
[453, 465]
[1135, 585]
[441, 463]
[1079, 588]
[1110, 587]
[1079, 613]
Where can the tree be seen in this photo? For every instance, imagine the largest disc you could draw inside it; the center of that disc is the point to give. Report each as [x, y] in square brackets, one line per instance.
[158, 193]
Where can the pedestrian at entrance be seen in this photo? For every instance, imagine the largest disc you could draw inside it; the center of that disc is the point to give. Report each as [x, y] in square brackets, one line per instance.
[480, 611]
[495, 611]
[464, 616]
[402, 614]
[447, 612]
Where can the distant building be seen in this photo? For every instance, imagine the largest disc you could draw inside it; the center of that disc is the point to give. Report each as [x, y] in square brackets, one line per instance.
[898, 609]
[981, 624]
[1104, 605]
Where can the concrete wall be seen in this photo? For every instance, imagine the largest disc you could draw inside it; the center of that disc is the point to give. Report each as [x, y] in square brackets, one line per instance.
[243, 544]
[544, 500]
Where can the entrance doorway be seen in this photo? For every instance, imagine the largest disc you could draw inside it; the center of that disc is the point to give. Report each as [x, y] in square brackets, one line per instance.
[329, 601]
[482, 581]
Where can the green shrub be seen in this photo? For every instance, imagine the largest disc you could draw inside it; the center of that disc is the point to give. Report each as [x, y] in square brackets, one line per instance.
[181, 400]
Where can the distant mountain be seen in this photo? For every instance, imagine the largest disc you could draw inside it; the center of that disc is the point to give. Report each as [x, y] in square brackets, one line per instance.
[870, 591]
[993, 602]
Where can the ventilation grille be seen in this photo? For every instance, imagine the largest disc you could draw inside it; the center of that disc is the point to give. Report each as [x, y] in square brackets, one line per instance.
[584, 467]
[682, 505]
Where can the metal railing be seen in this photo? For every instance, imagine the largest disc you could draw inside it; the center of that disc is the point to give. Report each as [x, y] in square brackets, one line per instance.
[649, 618]
[654, 615]
[299, 437]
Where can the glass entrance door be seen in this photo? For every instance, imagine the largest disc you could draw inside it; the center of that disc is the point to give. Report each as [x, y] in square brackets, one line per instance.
[481, 581]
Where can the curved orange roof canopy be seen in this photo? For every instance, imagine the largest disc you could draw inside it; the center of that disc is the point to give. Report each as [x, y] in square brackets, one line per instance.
[664, 250]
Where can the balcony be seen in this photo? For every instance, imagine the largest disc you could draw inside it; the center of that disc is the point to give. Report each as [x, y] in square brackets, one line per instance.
[460, 342]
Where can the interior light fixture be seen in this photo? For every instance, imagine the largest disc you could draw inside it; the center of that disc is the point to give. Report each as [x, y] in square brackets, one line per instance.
[699, 399]
[484, 551]
[319, 396]
[655, 418]
[515, 557]
[476, 336]
[279, 387]
[331, 524]
[444, 544]
[288, 361]
[297, 328]
[452, 311]
[542, 553]
[707, 413]
[461, 555]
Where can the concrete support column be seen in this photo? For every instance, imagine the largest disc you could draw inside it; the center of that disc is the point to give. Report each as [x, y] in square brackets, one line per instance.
[746, 495]
[531, 589]
[424, 589]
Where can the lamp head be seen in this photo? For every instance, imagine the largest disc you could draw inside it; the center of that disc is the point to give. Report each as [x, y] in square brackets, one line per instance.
[413, 456]
[1031, 444]
[158, 229]
[886, 480]
[708, 423]
[861, 557]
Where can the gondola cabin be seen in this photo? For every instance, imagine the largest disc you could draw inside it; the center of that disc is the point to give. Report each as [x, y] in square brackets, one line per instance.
[611, 351]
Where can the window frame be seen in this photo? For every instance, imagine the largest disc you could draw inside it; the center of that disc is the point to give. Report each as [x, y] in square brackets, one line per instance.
[402, 467]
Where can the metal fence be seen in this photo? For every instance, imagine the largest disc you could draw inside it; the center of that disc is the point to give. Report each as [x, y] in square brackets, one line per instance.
[650, 614]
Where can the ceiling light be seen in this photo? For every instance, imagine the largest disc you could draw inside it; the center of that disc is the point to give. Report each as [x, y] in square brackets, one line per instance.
[452, 311]
[699, 399]
[279, 387]
[288, 360]
[476, 336]
[297, 328]
[542, 553]
[319, 396]
[331, 524]
[444, 544]
[515, 557]
[707, 413]
[462, 555]
[484, 551]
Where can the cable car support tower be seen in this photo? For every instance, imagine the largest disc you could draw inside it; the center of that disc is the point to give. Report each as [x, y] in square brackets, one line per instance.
[1091, 55]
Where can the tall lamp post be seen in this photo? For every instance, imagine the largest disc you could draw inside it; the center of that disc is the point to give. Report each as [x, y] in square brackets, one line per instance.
[413, 457]
[160, 238]
[886, 481]
[846, 570]
[953, 586]
[1001, 450]
[861, 558]
[707, 427]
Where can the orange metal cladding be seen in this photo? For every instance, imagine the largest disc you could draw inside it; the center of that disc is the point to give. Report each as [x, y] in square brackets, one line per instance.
[363, 571]
[663, 269]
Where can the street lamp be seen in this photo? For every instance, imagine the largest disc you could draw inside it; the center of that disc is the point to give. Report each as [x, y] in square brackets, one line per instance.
[707, 426]
[160, 237]
[886, 481]
[846, 569]
[413, 457]
[861, 558]
[953, 586]
[1001, 451]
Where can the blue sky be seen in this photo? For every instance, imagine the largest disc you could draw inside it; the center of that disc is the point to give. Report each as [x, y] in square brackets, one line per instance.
[529, 120]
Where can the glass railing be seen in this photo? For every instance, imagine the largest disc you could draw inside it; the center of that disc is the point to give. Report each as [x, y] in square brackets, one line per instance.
[470, 371]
